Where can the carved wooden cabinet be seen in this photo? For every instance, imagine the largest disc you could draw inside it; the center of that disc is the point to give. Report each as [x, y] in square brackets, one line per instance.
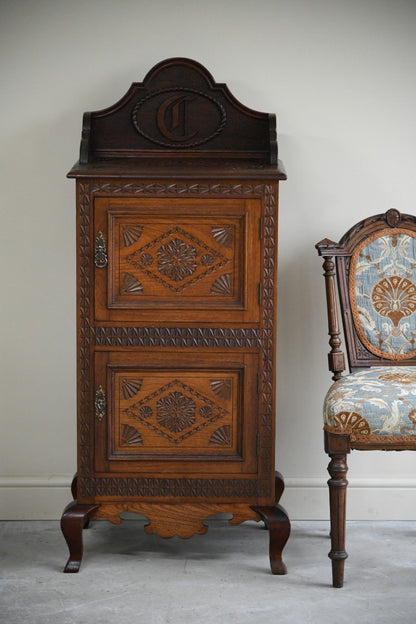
[177, 187]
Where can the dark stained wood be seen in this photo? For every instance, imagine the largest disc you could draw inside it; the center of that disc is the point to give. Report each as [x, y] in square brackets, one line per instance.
[179, 110]
[177, 193]
[174, 168]
[74, 487]
[337, 468]
[337, 447]
[336, 360]
[74, 518]
[277, 522]
[279, 486]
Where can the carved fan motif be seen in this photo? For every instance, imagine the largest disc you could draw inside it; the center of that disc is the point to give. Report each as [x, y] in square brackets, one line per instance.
[130, 387]
[130, 436]
[222, 235]
[222, 285]
[130, 284]
[221, 437]
[130, 234]
[394, 297]
[221, 387]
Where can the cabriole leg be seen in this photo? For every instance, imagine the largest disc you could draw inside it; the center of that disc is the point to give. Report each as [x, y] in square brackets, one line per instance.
[277, 522]
[74, 519]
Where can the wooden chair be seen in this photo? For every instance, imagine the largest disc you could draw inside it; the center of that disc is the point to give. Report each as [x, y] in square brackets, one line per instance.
[374, 407]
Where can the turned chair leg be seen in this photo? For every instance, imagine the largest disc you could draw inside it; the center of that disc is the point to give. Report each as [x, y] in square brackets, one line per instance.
[74, 519]
[337, 469]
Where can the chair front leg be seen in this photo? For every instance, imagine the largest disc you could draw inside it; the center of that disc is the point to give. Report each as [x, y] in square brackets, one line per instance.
[338, 468]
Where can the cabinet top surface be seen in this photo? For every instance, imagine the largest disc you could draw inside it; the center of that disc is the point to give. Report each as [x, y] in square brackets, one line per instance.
[176, 168]
[178, 121]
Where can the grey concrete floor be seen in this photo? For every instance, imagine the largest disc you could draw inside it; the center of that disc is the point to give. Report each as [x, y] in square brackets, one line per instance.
[221, 577]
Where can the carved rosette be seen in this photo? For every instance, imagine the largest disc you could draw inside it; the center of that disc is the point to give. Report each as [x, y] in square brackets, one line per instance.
[176, 412]
[176, 260]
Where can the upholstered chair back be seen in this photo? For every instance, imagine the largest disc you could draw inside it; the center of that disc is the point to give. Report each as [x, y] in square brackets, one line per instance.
[376, 274]
[382, 291]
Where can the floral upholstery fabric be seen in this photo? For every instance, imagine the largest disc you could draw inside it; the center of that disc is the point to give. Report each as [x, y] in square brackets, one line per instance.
[383, 293]
[379, 401]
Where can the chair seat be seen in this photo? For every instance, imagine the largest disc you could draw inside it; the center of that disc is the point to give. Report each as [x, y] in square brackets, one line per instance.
[375, 404]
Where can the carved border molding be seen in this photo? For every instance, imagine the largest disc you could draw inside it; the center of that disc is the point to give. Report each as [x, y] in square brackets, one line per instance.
[178, 188]
[196, 337]
[176, 337]
[193, 488]
[85, 335]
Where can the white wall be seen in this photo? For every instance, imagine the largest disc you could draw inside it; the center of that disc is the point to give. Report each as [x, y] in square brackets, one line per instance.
[339, 74]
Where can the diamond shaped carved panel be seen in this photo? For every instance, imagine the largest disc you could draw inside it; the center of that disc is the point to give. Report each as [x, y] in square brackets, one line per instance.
[172, 413]
[177, 260]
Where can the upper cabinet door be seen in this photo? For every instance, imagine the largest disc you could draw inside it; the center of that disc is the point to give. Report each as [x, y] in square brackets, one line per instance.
[161, 261]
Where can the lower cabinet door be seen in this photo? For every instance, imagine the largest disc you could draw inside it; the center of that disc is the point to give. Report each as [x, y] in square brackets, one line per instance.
[167, 413]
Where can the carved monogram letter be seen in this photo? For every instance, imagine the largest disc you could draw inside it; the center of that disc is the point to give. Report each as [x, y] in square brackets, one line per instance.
[173, 115]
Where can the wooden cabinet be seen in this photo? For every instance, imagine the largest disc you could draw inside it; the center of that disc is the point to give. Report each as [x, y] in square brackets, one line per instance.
[177, 187]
